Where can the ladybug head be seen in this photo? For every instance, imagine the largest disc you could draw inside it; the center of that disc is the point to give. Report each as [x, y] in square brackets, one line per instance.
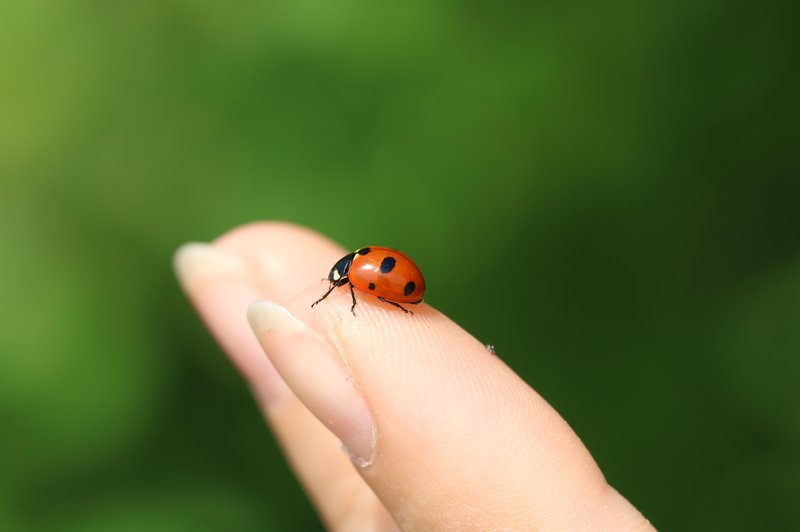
[338, 274]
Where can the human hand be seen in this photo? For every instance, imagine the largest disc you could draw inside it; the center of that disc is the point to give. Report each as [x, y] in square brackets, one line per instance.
[440, 433]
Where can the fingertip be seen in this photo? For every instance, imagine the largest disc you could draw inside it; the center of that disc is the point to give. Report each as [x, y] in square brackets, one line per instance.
[196, 261]
[286, 258]
[278, 234]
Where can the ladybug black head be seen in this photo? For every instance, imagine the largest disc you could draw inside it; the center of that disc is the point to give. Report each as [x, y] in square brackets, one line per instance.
[338, 274]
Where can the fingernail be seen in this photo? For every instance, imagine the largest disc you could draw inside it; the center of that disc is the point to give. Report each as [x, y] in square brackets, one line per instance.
[197, 261]
[317, 376]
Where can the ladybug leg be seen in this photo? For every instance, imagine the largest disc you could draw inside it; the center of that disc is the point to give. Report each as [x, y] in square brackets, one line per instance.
[353, 295]
[396, 305]
[333, 285]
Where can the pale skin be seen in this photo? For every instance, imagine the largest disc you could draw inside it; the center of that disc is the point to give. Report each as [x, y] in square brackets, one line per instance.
[440, 432]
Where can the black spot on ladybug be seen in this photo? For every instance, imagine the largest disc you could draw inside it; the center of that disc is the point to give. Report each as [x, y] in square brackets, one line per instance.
[387, 264]
[363, 251]
[409, 288]
[372, 286]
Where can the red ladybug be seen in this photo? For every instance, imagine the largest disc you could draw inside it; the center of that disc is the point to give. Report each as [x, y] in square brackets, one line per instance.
[384, 272]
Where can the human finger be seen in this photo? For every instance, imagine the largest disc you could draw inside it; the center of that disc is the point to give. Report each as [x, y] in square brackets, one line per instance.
[443, 431]
[275, 260]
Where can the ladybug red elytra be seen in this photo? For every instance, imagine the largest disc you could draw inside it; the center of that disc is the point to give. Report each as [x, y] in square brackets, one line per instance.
[384, 272]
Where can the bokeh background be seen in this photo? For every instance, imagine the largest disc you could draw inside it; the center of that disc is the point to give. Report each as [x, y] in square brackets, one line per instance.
[605, 190]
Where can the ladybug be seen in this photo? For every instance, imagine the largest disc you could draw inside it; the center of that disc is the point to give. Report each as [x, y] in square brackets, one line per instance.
[384, 272]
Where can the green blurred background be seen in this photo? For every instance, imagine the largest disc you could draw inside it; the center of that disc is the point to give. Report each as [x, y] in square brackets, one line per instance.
[606, 191]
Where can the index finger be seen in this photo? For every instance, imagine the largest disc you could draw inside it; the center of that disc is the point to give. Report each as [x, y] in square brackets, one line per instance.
[441, 429]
